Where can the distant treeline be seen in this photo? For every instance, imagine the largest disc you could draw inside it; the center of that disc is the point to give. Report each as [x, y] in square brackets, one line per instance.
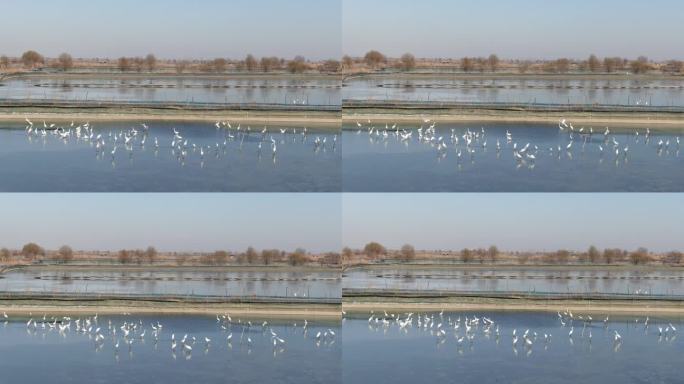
[376, 61]
[376, 252]
[34, 253]
[31, 60]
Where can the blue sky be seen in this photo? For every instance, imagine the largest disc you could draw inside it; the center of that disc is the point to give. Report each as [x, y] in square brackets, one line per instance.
[186, 222]
[324, 222]
[512, 29]
[172, 28]
[327, 28]
[515, 221]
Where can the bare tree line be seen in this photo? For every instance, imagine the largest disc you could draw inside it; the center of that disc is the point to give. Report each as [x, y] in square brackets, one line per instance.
[299, 64]
[375, 60]
[32, 252]
[375, 251]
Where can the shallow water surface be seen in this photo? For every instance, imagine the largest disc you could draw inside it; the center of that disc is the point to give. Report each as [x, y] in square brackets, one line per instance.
[437, 351]
[300, 91]
[201, 158]
[536, 158]
[642, 91]
[35, 354]
[314, 284]
[637, 282]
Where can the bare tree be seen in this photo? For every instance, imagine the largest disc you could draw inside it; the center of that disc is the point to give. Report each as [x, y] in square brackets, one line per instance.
[65, 62]
[251, 255]
[593, 255]
[181, 66]
[640, 65]
[32, 58]
[640, 256]
[268, 256]
[124, 64]
[374, 249]
[347, 62]
[64, 254]
[467, 64]
[562, 65]
[298, 257]
[220, 65]
[593, 64]
[4, 61]
[250, 63]
[138, 64]
[493, 62]
[524, 66]
[219, 258]
[269, 64]
[150, 62]
[347, 253]
[31, 250]
[493, 253]
[124, 256]
[466, 255]
[297, 65]
[374, 59]
[151, 254]
[407, 252]
[481, 64]
[5, 255]
[408, 62]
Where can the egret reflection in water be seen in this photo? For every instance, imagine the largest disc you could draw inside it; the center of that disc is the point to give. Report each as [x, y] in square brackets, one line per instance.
[156, 348]
[535, 347]
[169, 156]
[509, 157]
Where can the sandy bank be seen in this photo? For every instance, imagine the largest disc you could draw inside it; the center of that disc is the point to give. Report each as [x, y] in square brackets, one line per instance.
[517, 267]
[327, 120]
[594, 119]
[171, 268]
[118, 307]
[625, 307]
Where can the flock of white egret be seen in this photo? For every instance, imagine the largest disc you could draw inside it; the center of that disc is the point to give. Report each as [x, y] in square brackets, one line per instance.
[465, 330]
[125, 335]
[467, 143]
[111, 143]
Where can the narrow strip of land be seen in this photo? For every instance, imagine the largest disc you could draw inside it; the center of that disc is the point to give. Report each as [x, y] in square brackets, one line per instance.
[112, 306]
[473, 303]
[663, 120]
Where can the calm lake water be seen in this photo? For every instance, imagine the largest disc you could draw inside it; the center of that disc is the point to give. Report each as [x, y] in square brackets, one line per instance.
[203, 159]
[663, 92]
[377, 353]
[315, 284]
[79, 356]
[319, 91]
[537, 158]
[660, 282]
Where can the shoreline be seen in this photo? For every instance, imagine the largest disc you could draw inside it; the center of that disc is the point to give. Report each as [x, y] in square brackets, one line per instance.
[170, 268]
[600, 119]
[459, 75]
[516, 267]
[118, 307]
[625, 307]
[327, 120]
